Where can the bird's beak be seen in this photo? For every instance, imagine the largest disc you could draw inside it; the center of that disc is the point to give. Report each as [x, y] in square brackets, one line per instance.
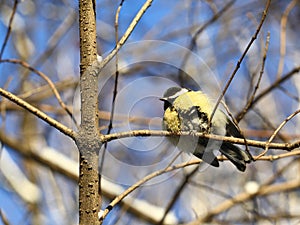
[163, 99]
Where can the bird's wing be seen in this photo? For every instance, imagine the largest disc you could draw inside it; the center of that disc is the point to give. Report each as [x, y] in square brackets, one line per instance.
[232, 130]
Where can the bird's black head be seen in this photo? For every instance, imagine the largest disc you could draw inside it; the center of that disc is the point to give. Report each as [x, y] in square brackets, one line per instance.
[171, 94]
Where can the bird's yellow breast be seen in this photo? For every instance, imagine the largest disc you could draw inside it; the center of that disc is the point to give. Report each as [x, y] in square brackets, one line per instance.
[171, 120]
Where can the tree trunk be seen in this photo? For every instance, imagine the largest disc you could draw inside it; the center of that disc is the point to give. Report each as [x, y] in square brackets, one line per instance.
[88, 141]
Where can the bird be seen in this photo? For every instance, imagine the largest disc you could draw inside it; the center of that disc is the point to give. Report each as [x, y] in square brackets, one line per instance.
[188, 110]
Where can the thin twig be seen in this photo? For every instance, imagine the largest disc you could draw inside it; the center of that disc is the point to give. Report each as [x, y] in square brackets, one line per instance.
[62, 128]
[141, 182]
[276, 131]
[235, 122]
[281, 170]
[14, 9]
[126, 35]
[253, 74]
[241, 58]
[115, 91]
[180, 188]
[4, 218]
[56, 37]
[271, 87]
[47, 79]
[258, 81]
[279, 156]
[269, 124]
[245, 196]
[288, 93]
[283, 23]
[264, 189]
[199, 31]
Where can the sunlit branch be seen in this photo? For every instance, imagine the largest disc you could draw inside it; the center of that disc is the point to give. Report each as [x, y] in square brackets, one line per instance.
[265, 12]
[25, 105]
[240, 141]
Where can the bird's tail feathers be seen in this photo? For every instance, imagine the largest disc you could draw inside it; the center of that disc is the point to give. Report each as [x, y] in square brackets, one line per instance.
[208, 157]
[238, 157]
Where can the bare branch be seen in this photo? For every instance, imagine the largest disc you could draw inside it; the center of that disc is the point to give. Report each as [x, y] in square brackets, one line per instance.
[140, 182]
[258, 81]
[128, 32]
[62, 128]
[245, 196]
[276, 132]
[9, 28]
[47, 79]
[242, 57]
[283, 24]
[240, 141]
[272, 87]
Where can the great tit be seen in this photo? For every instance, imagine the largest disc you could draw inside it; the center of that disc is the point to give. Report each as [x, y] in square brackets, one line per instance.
[187, 110]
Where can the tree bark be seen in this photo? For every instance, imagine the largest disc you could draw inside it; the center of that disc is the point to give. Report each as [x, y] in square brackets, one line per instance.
[88, 141]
